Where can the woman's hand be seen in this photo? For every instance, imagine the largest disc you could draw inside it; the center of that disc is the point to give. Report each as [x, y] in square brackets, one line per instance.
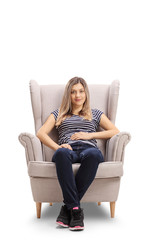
[81, 135]
[65, 145]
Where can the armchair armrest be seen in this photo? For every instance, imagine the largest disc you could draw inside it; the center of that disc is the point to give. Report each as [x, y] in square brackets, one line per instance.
[116, 146]
[32, 145]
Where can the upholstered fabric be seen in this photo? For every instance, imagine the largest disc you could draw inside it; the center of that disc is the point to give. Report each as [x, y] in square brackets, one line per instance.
[116, 146]
[32, 145]
[48, 169]
[101, 190]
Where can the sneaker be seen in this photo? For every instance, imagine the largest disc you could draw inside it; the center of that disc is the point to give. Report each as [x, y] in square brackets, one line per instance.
[77, 217]
[64, 217]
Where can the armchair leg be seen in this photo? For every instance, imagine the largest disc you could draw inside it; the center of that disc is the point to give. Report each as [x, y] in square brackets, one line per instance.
[99, 203]
[50, 204]
[112, 209]
[38, 207]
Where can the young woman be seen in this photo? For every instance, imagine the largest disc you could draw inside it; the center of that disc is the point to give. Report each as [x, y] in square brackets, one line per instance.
[76, 123]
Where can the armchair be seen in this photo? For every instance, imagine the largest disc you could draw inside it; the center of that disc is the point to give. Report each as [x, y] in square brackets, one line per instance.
[42, 171]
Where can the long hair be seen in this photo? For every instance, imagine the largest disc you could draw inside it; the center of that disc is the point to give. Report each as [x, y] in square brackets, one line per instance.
[66, 105]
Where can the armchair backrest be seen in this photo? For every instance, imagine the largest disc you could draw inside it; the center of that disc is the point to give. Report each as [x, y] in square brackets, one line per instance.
[47, 98]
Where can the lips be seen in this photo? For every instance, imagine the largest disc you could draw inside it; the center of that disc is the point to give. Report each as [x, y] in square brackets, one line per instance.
[78, 99]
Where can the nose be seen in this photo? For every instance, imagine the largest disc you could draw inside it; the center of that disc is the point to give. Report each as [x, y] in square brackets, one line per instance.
[77, 94]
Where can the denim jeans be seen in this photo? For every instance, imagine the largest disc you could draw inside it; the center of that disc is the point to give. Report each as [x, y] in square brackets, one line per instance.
[74, 187]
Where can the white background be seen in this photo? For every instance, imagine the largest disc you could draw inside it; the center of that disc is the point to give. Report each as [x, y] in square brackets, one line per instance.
[101, 41]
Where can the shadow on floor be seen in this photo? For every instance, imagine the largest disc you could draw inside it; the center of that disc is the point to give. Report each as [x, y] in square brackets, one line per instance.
[91, 211]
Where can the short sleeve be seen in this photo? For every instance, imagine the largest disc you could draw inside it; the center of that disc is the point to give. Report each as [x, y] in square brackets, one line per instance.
[55, 113]
[97, 116]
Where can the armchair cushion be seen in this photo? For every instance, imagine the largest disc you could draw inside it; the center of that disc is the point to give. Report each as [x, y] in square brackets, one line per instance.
[48, 169]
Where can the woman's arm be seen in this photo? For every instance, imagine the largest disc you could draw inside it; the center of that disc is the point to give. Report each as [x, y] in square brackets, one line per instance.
[43, 132]
[108, 126]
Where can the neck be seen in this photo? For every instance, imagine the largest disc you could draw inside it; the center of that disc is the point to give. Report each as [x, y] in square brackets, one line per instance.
[76, 110]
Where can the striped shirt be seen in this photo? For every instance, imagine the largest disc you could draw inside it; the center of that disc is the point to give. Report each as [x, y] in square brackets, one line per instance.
[74, 124]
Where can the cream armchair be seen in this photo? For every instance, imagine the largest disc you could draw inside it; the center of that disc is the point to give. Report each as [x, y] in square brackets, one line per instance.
[42, 171]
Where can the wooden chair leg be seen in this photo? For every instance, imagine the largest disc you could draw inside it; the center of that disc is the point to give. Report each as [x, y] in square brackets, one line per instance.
[99, 203]
[50, 204]
[112, 209]
[38, 207]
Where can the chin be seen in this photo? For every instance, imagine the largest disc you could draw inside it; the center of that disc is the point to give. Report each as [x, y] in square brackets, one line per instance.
[78, 104]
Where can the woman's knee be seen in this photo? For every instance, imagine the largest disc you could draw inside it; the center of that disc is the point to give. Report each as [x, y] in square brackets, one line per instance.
[94, 155]
[61, 154]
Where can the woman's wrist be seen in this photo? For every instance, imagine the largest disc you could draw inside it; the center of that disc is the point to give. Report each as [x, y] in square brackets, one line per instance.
[57, 147]
[91, 135]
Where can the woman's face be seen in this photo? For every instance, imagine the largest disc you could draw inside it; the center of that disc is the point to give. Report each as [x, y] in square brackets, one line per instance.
[78, 95]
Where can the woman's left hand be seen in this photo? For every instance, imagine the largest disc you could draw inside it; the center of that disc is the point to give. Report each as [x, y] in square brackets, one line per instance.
[81, 135]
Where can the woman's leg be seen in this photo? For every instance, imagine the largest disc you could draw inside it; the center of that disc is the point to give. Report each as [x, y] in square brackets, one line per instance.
[63, 158]
[90, 159]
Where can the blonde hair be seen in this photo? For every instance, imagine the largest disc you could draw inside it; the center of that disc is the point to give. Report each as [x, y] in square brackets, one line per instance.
[66, 105]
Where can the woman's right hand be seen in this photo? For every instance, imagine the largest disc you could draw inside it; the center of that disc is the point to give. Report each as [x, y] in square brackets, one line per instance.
[65, 145]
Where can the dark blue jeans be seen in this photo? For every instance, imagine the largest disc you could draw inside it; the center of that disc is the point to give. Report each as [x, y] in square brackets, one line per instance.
[74, 187]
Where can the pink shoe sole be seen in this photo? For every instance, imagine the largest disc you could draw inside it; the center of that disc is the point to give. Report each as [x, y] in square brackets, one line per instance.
[62, 224]
[76, 228]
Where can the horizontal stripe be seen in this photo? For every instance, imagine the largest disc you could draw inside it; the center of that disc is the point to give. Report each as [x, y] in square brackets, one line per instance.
[77, 124]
